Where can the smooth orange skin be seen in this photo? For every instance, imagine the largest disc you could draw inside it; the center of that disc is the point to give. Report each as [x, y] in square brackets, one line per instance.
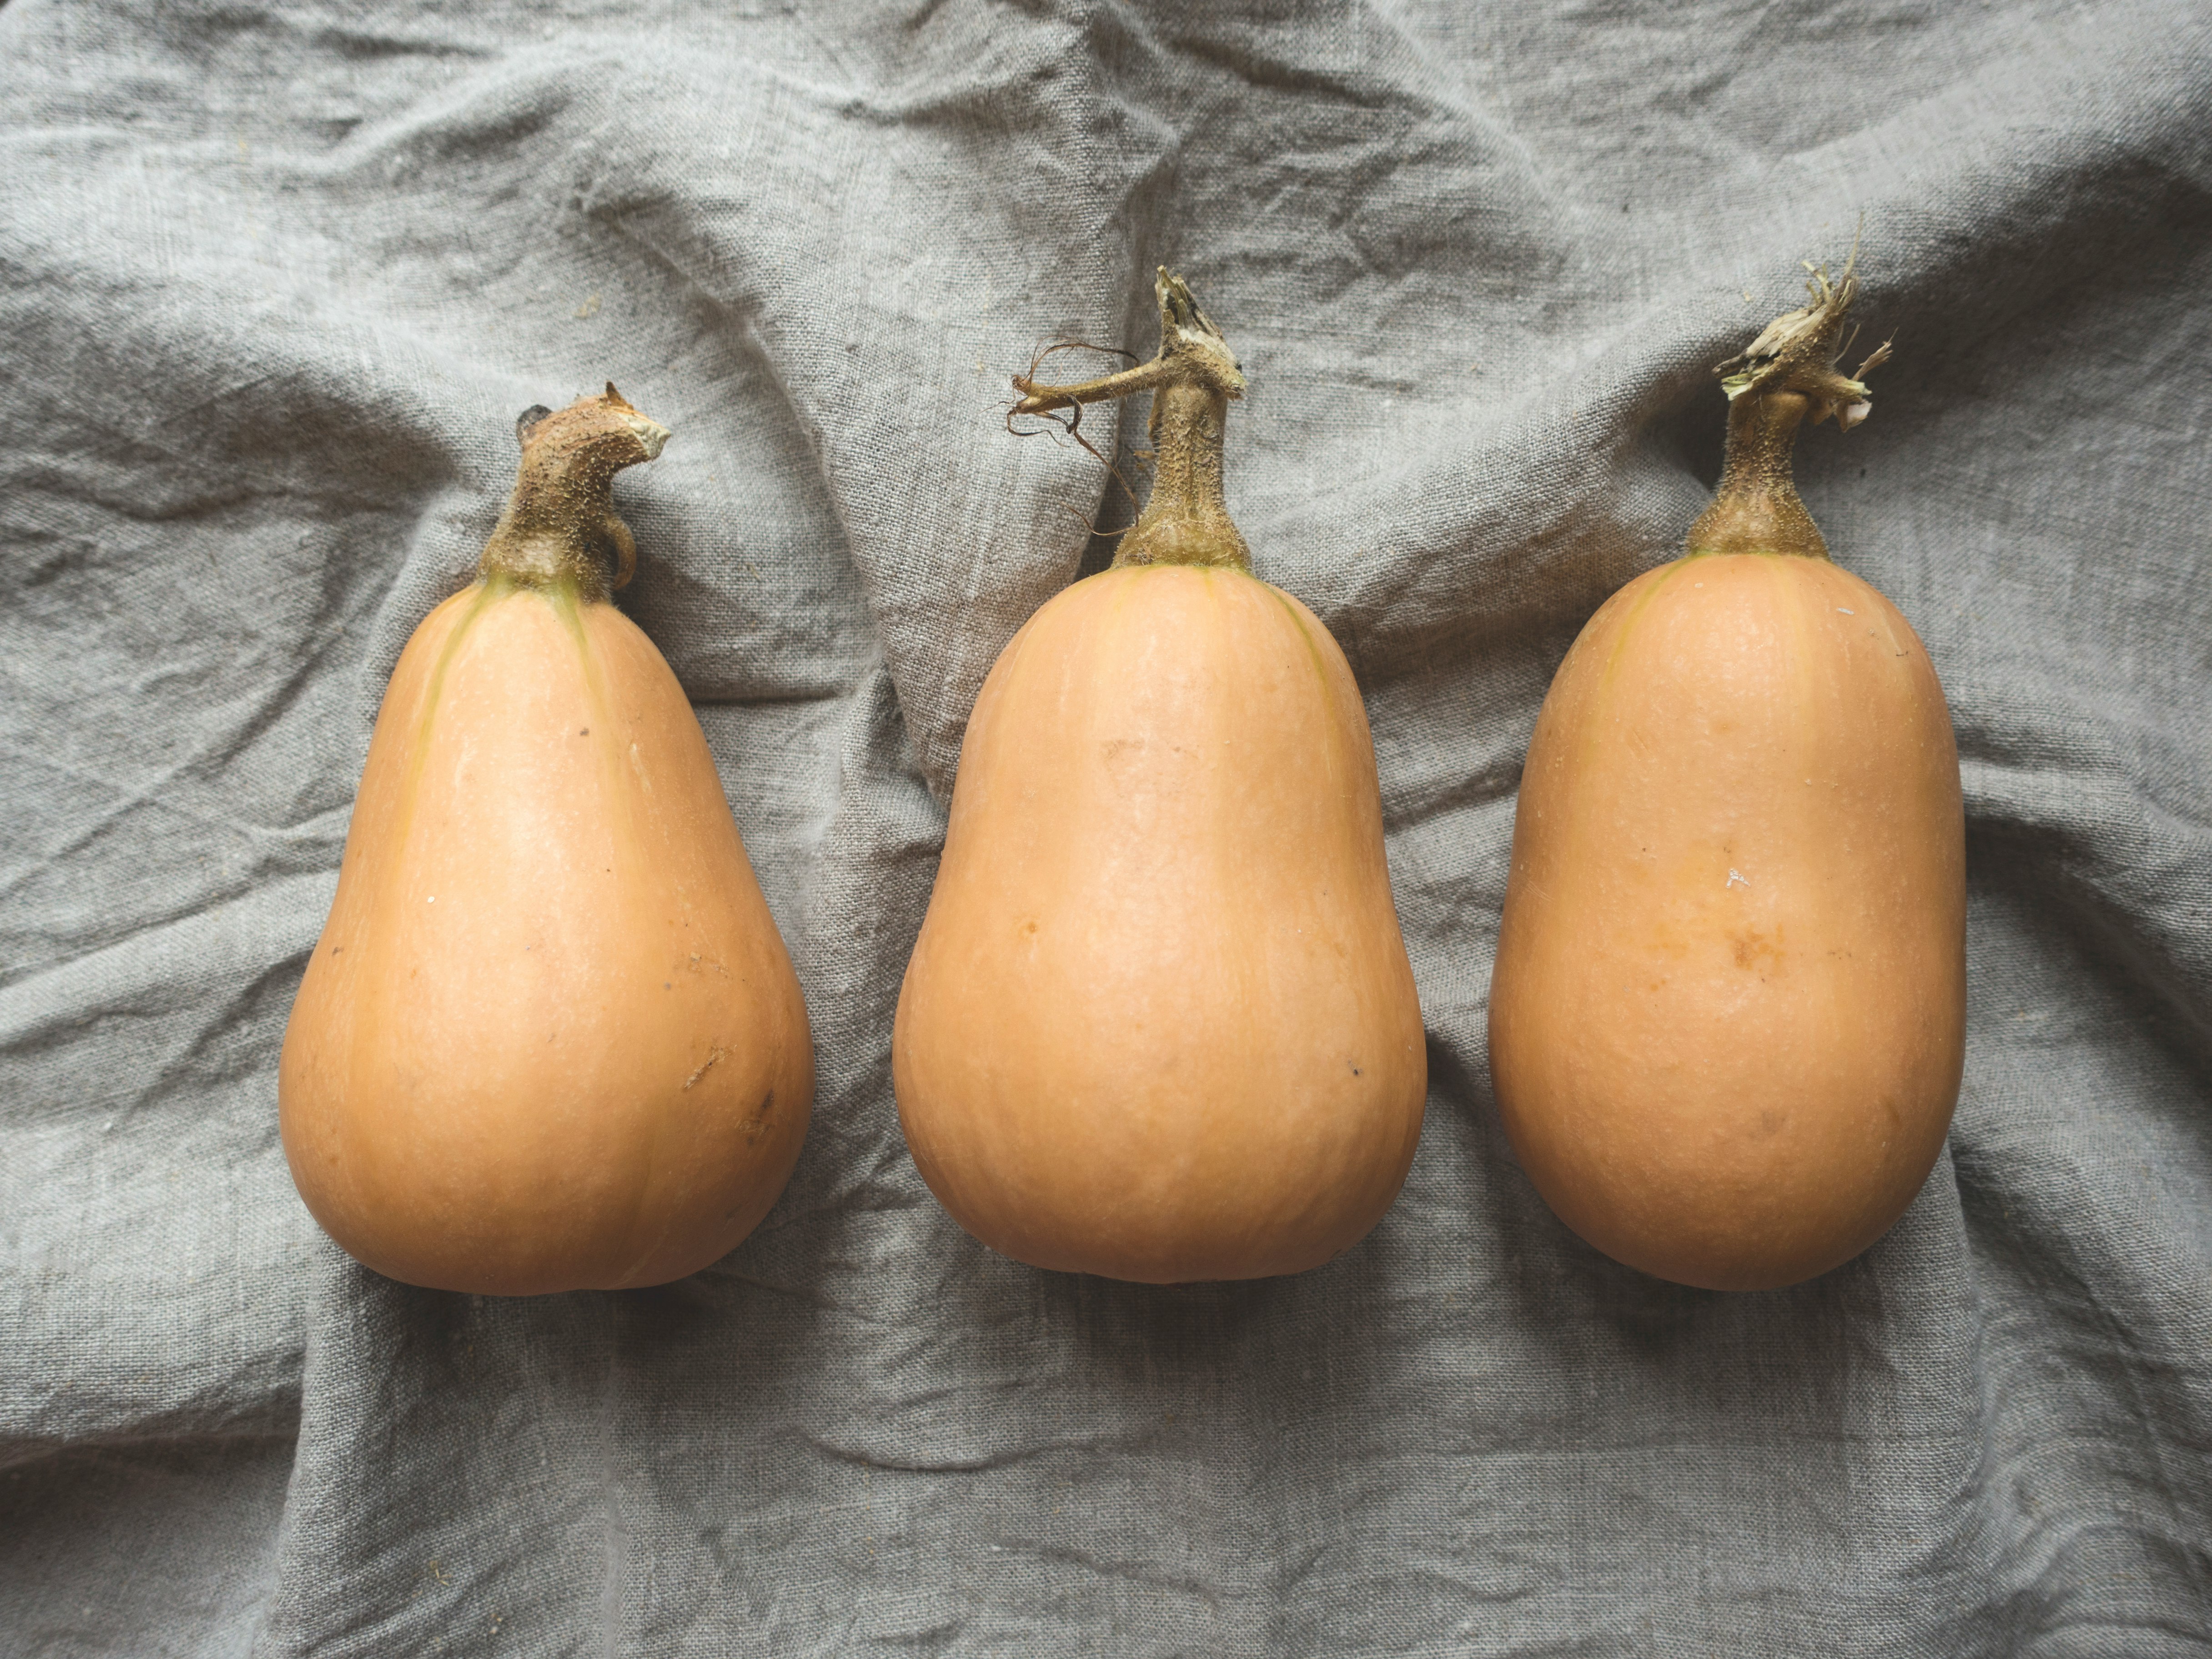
[1728, 1023]
[1159, 1024]
[497, 1074]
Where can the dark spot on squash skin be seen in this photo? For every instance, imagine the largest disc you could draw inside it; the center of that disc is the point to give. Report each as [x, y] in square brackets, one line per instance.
[1750, 945]
[759, 1119]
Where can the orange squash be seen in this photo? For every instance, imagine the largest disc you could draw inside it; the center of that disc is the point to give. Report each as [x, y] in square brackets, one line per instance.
[1727, 1021]
[1159, 1023]
[550, 1038]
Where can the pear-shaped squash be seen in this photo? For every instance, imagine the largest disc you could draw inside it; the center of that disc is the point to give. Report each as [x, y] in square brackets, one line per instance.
[550, 1038]
[1727, 1021]
[1159, 1023]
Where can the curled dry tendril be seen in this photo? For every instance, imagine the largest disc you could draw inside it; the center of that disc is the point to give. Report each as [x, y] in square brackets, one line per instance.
[1069, 419]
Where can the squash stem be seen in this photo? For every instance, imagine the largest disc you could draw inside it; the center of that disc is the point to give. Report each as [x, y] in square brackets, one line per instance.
[1757, 509]
[1186, 521]
[1787, 374]
[560, 525]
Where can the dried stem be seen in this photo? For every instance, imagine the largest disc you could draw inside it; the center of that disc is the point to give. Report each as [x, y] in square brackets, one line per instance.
[1785, 375]
[1194, 377]
[560, 525]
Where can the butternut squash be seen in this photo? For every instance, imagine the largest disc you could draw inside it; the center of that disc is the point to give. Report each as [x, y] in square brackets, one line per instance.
[1728, 1020]
[1159, 1023]
[549, 1038]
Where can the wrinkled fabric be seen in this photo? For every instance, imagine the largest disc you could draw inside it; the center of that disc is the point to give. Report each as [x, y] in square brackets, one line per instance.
[278, 278]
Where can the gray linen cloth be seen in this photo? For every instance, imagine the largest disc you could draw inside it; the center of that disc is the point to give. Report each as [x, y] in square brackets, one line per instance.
[279, 277]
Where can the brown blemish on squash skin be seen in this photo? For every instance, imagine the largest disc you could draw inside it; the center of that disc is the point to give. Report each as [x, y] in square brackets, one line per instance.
[1750, 947]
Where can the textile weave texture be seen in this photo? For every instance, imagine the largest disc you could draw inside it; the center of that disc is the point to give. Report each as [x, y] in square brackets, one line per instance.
[280, 275]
